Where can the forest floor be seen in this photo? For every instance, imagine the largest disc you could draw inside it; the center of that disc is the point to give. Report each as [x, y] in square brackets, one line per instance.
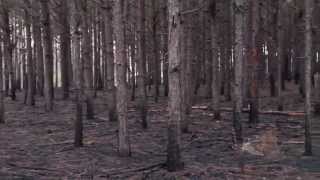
[35, 145]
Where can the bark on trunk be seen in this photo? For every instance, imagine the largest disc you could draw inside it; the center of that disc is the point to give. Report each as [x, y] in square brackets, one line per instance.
[317, 94]
[2, 110]
[48, 49]
[254, 62]
[174, 162]
[141, 56]
[164, 21]
[308, 56]
[109, 79]
[215, 62]
[30, 90]
[87, 60]
[38, 51]
[79, 77]
[280, 49]
[156, 53]
[121, 93]
[65, 48]
[239, 21]
[8, 49]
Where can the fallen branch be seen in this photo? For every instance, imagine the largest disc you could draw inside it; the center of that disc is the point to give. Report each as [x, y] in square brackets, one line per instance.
[150, 167]
[57, 143]
[246, 110]
[32, 168]
[293, 142]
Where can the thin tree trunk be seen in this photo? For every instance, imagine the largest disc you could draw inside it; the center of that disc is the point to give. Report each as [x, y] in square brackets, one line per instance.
[121, 93]
[30, 90]
[18, 56]
[238, 58]
[97, 59]
[133, 68]
[215, 63]
[156, 53]
[56, 61]
[185, 39]
[48, 49]
[174, 162]
[308, 56]
[2, 109]
[38, 50]
[79, 76]
[272, 61]
[207, 56]
[280, 49]
[8, 49]
[141, 56]
[65, 49]
[133, 49]
[164, 26]
[254, 62]
[78, 124]
[109, 79]
[317, 94]
[87, 60]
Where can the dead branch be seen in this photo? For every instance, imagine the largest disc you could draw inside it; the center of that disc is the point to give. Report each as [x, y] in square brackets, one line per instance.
[140, 169]
[246, 110]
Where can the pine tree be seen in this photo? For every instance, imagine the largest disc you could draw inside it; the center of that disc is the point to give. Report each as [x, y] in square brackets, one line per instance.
[121, 93]
[174, 161]
[308, 60]
[48, 50]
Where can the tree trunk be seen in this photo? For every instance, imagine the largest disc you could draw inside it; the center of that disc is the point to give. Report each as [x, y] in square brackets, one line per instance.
[109, 79]
[299, 48]
[97, 47]
[308, 56]
[55, 61]
[317, 94]
[133, 66]
[8, 49]
[272, 47]
[2, 110]
[48, 49]
[87, 60]
[238, 53]
[272, 68]
[254, 62]
[228, 46]
[18, 56]
[280, 49]
[141, 56]
[215, 62]
[30, 90]
[133, 49]
[207, 55]
[78, 125]
[65, 48]
[38, 51]
[174, 162]
[79, 77]
[185, 69]
[121, 93]
[164, 26]
[156, 53]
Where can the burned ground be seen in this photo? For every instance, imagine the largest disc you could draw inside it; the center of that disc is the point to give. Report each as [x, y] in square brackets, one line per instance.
[39, 145]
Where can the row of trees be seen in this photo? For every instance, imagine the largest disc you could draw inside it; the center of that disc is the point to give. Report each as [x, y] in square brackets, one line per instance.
[229, 48]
